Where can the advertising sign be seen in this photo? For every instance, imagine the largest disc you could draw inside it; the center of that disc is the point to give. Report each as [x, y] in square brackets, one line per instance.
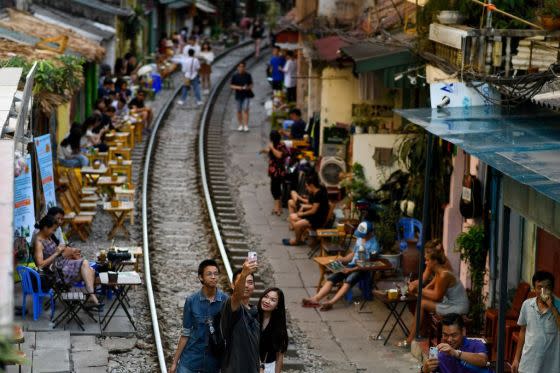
[44, 155]
[24, 211]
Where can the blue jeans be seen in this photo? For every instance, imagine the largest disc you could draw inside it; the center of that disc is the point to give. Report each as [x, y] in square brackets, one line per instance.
[195, 85]
[78, 161]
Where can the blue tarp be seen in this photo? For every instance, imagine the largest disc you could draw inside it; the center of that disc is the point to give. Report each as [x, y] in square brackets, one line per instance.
[521, 143]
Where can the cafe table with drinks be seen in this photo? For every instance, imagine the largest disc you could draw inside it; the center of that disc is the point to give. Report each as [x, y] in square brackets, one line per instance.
[396, 300]
[121, 283]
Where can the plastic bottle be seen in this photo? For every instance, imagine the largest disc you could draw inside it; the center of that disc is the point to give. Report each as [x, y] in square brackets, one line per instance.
[361, 255]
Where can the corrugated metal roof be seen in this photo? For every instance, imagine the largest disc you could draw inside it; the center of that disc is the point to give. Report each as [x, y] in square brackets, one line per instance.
[104, 7]
[80, 25]
[328, 47]
[549, 96]
[372, 55]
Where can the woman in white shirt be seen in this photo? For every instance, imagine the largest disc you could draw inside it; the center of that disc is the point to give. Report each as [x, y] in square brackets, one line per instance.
[68, 153]
[206, 57]
[289, 71]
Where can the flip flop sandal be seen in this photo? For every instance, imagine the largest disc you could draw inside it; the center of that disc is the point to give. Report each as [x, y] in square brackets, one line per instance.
[403, 344]
[309, 304]
[287, 242]
[326, 307]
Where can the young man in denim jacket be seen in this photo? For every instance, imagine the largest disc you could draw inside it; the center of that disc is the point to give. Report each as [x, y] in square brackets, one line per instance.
[193, 354]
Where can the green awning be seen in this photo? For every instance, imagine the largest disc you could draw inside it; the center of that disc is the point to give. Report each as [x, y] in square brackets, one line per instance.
[372, 56]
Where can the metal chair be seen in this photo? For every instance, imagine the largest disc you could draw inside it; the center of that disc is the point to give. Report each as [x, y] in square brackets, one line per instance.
[26, 274]
[408, 229]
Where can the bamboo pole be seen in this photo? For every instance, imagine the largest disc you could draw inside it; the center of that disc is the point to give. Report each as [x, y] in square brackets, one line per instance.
[492, 8]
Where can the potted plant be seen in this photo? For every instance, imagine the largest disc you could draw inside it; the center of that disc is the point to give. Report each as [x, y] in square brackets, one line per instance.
[356, 184]
[471, 246]
[549, 15]
[386, 233]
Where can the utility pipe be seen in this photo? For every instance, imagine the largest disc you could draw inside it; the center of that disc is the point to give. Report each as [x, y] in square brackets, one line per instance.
[425, 226]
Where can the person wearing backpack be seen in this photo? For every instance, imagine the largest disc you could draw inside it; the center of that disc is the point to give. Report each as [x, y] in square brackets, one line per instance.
[240, 325]
[193, 353]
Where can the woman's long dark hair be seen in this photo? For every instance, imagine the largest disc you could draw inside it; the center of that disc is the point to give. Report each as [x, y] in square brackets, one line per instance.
[277, 321]
[46, 221]
[275, 138]
[73, 138]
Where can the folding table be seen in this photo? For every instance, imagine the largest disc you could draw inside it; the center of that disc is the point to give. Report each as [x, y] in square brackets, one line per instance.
[394, 312]
[125, 281]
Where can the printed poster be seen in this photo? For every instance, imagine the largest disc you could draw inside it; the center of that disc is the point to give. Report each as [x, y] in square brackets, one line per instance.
[24, 211]
[44, 155]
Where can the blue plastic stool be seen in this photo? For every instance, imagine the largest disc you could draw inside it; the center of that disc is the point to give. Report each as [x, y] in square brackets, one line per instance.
[25, 274]
[406, 230]
[156, 83]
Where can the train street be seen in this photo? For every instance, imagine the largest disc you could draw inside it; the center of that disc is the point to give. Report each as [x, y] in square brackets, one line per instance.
[267, 186]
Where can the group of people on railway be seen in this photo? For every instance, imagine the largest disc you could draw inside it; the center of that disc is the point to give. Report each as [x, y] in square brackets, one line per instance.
[116, 104]
[227, 334]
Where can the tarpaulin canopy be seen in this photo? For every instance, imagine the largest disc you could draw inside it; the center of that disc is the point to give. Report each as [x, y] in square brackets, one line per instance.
[521, 143]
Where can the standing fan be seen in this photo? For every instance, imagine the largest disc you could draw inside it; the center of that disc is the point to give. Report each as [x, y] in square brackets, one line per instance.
[330, 170]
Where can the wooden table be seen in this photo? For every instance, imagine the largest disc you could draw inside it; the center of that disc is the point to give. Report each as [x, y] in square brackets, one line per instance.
[125, 281]
[377, 265]
[118, 214]
[92, 175]
[392, 305]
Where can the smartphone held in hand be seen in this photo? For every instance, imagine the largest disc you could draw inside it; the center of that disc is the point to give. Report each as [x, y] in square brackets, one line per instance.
[252, 256]
[433, 354]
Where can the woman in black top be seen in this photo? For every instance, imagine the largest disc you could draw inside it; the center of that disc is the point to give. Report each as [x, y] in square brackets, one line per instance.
[274, 334]
[257, 34]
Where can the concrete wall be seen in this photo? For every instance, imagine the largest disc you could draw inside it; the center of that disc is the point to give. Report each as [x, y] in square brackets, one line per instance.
[6, 236]
[363, 149]
[338, 92]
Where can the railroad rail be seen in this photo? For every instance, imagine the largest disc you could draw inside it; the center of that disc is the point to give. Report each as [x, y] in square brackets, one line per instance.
[149, 153]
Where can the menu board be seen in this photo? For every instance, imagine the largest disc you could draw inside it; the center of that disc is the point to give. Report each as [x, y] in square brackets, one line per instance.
[45, 158]
[24, 210]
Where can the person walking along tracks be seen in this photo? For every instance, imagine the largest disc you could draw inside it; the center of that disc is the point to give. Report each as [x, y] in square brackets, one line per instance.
[192, 353]
[242, 84]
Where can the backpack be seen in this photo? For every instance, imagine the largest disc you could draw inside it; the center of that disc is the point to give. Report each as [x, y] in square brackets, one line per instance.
[216, 340]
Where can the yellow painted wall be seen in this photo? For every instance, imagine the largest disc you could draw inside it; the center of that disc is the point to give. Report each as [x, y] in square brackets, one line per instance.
[339, 90]
[62, 121]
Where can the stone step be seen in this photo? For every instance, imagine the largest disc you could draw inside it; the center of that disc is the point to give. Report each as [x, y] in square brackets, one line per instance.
[294, 364]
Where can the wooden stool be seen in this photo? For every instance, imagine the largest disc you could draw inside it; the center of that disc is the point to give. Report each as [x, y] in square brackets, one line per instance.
[124, 152]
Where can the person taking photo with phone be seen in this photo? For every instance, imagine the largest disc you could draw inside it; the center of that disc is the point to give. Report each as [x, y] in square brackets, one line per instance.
[239, 323]
[192, 353]
[456, 353]
[538, 348]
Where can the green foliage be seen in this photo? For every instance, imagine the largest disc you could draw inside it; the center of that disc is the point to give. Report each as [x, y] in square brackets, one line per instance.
[357, 186]
[550, 8]
[386, 229]
[8, 353]
[471, 246]
[272, 14]
[61, 76]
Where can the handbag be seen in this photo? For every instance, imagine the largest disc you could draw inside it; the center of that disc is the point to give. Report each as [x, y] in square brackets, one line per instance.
[188, 81]
[250, 93]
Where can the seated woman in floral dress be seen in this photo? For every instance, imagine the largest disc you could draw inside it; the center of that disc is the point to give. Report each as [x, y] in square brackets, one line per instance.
[61, 259]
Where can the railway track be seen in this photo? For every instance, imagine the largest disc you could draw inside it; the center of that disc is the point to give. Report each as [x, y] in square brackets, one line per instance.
[176, 226]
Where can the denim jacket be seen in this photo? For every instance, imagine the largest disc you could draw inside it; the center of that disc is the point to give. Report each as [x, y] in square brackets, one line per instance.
[197, 311]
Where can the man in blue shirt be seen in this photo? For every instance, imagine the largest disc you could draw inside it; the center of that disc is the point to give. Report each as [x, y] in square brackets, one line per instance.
[351, 274]
[193, 354]
[457, 354]
[276, 62]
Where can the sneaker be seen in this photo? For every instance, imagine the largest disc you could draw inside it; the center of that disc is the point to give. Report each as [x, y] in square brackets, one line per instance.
[181, 102]
[240, 128]
[199, 103]
[246, 129]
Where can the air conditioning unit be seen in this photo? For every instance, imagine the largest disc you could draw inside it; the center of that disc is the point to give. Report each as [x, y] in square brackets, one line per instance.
[330, 170]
